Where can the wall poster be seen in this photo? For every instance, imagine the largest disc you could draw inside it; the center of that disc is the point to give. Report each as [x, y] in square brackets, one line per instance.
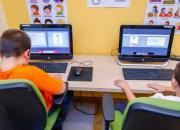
[47, 11]
[108, 3]
[163, 12]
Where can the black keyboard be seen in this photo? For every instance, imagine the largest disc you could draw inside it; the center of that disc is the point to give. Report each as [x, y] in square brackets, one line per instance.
[147, 74]
[51, 67]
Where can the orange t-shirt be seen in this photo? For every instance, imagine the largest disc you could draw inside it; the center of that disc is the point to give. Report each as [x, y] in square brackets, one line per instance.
[47, 85]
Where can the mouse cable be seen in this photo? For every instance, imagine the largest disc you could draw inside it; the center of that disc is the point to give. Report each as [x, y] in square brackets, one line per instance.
[83, 63]
[84, 112]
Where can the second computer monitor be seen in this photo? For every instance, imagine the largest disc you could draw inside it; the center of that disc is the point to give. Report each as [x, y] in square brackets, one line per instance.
[145, 43]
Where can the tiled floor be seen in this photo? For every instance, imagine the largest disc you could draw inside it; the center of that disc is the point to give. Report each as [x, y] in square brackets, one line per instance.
[78, 121]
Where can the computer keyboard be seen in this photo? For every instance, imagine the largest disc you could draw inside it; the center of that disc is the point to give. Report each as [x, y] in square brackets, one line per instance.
[51, 67]
[147, 74]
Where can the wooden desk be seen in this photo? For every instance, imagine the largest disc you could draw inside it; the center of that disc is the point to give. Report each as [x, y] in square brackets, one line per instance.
[105, 71]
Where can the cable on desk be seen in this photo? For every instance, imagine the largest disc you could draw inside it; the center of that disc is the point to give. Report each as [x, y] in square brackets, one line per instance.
[82, 63]
[172, 54]
[84, 112]
[114, 52]
[174, 57]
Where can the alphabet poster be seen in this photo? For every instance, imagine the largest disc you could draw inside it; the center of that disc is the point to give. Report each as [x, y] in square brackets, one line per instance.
[47, 11]
[163, 12]
[108, 3]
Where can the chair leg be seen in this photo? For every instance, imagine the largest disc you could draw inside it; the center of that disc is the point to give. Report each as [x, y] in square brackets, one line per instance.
[106, 125]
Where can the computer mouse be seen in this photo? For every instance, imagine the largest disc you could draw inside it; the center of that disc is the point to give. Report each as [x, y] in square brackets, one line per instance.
[78, 71]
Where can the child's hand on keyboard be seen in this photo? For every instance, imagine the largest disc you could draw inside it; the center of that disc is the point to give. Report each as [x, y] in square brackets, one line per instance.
[157, 88]
[56, 75]
[125, 87]
[121, 83]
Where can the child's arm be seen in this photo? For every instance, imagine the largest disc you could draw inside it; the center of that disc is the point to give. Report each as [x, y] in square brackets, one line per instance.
[58, 76]
[125, 87]
[160, 88]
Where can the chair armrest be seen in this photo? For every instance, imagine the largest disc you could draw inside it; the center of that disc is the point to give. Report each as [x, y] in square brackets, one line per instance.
[58, 99]
[108, 107]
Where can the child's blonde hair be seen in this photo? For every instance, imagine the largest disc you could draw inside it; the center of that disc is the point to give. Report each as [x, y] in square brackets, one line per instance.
[59, 6]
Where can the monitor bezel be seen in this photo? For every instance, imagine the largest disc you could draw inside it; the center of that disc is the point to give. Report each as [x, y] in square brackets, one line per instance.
[143, 58]
[37, 56]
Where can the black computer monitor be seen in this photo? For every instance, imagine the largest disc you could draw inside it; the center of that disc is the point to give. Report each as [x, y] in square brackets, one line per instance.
[144, 43]
[50, 41]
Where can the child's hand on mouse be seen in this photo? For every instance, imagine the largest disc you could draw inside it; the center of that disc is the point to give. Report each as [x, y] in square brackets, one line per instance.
[57, 76]
[122, 84]
[157, 88]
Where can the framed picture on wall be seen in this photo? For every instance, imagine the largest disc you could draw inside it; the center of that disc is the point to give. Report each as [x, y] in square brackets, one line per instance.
[108, 3]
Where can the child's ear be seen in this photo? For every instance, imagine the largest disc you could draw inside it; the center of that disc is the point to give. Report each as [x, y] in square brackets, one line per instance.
[26, 56]
[174, 83]
[27, 53]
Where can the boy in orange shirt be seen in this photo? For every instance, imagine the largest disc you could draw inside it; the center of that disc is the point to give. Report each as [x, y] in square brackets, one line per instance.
[15, 48]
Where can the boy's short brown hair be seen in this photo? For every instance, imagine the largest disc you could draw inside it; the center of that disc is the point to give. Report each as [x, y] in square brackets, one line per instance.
[177, 73]
[14, 42]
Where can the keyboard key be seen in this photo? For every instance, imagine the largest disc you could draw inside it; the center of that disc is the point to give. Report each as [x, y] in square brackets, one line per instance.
[51, 67]
[147, 74]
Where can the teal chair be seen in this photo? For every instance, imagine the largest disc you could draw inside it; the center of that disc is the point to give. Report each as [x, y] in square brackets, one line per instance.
[143, 113]
[22, 107]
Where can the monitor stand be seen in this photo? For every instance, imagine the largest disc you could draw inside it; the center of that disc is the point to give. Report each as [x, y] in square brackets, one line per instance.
[143, 64]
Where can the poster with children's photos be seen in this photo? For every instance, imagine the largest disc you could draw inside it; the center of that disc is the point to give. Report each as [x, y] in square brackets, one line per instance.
[47, 11]
[163, 12]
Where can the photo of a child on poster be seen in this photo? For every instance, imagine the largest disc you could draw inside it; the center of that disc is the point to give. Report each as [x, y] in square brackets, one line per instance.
[163, 12]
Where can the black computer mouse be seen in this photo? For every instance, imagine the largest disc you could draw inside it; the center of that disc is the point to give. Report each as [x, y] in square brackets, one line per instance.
[78, 71]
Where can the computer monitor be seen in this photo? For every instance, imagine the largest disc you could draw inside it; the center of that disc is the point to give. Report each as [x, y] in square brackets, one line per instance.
[50, 41]
[145, 43]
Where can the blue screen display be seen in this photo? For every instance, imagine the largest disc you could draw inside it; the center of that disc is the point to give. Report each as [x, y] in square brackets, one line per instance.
[145, 42]
[49, 40]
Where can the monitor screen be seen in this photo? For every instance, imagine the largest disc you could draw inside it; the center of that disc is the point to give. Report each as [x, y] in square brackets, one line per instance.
[49, 41]
[145, 43]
